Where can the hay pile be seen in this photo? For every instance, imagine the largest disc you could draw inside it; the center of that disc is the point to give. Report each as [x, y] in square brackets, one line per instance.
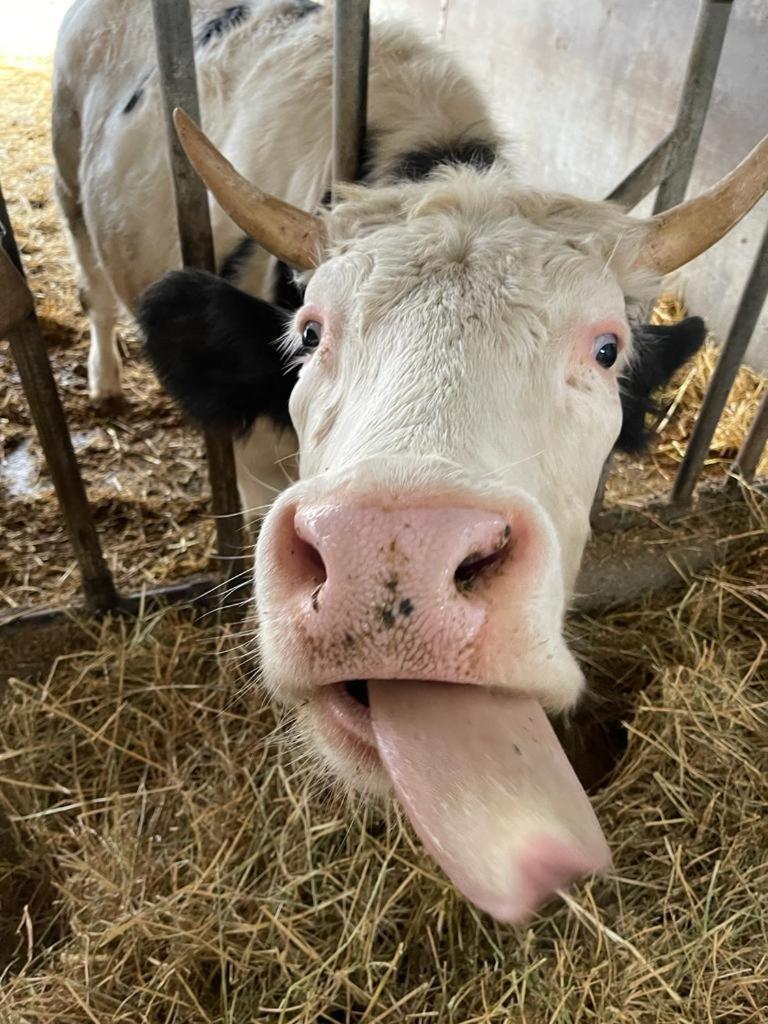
[176, 862]
[142, 466]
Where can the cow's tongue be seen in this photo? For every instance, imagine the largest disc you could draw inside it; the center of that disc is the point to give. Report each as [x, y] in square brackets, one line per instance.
[489, 790]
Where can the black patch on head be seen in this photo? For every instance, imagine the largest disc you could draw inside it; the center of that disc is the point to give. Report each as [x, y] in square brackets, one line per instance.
[229, 18]
[420, 163]
[215, 350]
[659, 352]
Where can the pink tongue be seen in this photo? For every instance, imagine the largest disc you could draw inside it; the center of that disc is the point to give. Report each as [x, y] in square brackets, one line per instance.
[490, 791]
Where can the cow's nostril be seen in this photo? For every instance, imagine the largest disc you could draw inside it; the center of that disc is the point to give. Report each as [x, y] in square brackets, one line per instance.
[479, 563]
[311, 559]
[358, 690]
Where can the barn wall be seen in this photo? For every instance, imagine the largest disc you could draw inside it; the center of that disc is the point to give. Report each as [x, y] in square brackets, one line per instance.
[589, 86]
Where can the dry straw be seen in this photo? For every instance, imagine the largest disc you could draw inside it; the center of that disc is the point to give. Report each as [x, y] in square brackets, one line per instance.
[176, 861]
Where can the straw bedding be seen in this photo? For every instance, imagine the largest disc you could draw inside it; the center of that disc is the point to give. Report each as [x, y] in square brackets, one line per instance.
[178, 862]
[167, 857]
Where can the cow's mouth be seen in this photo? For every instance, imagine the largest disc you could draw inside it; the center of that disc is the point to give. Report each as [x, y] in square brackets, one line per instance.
[483, 779]
[347, 710]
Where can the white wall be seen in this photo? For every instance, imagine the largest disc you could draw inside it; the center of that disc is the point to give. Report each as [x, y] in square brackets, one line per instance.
[28, 27]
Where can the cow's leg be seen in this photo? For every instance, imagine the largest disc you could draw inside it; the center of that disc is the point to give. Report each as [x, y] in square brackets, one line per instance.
[98, 302]
[96, 295]
[100, 306]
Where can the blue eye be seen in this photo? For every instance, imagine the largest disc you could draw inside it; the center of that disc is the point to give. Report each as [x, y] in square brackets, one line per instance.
[606, 349]
[311, 334]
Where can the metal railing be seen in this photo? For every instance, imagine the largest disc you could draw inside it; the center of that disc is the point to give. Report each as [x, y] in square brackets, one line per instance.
[667, 166]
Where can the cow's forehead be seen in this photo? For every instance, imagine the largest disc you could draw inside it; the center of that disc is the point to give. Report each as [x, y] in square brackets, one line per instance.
[478, 272]
[486, 243]
[462, 214]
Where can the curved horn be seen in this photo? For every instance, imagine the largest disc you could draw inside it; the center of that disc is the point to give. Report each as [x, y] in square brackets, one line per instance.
[680, 234]
[291, 234]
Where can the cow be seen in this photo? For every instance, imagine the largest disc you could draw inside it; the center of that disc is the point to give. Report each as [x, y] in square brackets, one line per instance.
[453, 353]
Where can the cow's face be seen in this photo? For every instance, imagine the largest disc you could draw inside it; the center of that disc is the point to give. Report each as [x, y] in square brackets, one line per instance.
[460, 343]
[460, 347]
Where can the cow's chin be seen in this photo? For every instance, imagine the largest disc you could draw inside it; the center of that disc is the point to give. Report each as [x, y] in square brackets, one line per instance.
[336, 722]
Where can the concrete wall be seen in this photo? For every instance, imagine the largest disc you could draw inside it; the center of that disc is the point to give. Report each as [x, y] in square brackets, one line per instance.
[589, 86]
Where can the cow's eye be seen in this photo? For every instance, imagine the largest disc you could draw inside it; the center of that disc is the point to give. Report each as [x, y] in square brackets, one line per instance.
[311, 334]
[606, 349]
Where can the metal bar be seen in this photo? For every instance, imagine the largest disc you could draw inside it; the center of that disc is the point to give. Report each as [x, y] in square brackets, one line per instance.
[350, 86]
[15, 297]
[599, 498]
[176, 62]
[31, 357]
[742, 328]
[203, 591]
[746, 462]
[645, 176]
[709, 33]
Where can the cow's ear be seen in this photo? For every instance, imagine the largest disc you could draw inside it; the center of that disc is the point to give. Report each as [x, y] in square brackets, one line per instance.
[216, 350]
[659, 351]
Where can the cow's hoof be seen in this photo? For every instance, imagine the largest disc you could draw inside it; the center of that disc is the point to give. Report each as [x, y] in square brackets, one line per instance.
[107, 403]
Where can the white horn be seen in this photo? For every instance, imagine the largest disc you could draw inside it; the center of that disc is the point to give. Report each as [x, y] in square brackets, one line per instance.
[679, 235]
[291, 234]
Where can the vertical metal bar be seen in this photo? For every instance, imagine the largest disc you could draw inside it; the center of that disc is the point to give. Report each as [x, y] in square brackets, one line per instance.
[31, 357]
[350, 86]
[176, 62]
[746, 462]
[728, 364]
[711, 25]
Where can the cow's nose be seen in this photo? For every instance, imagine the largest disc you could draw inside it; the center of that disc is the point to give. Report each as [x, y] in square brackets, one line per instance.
[366, 574]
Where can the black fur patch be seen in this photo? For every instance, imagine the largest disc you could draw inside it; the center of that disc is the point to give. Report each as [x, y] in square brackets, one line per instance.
[214, 348]
[233, 263]
[137, 95]
[229, 18]
[659, 353]
[420, 163]
[288, 295]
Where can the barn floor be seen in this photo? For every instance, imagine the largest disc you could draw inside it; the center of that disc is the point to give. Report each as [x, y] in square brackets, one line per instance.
[166, 859]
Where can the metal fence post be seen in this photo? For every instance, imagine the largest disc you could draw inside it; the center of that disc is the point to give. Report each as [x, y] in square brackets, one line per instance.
[746, 462]
[711, 25]
[176, 62]
[31, 357]
[350, 86]
[728, 364]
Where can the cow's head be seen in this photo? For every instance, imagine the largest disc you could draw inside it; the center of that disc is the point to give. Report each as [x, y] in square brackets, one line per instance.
[460, 342]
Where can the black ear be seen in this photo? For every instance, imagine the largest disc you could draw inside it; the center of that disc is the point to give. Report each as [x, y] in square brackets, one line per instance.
[659, 352]
[215, 350]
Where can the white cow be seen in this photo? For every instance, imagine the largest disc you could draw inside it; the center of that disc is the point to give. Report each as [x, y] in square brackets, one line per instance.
[453, 372]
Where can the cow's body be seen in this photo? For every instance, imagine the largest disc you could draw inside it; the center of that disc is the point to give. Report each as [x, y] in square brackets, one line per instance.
[264, 77]
[458, 366]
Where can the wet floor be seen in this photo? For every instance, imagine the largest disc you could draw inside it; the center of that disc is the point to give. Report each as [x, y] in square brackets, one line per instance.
[22, 469]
